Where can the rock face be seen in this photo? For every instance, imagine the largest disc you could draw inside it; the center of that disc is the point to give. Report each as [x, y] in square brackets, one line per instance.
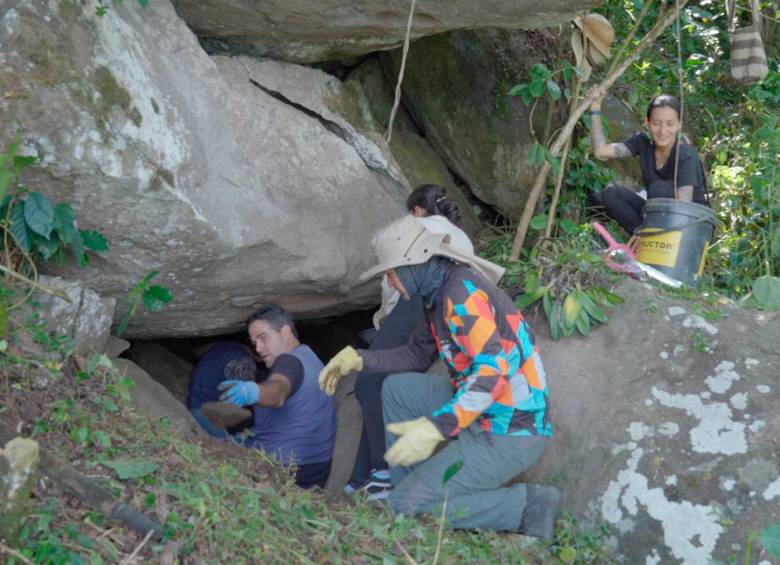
[86, 319]
[667, 427]
[309, 31]
[194, 166]
[153, 400]
[165, 367]
[18, 462]
[417, 159]
[456, 87]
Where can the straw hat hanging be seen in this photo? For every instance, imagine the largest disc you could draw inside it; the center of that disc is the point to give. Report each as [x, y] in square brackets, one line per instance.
[599, 34]
[578, 46]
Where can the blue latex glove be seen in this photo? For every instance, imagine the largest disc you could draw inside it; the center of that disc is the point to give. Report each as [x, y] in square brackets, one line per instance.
[241, 393]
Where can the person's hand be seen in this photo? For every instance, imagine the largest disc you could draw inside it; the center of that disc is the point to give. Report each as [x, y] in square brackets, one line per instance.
[417, 440]
[598, 94]
[633, 243]
[240, 393]
[343, 363]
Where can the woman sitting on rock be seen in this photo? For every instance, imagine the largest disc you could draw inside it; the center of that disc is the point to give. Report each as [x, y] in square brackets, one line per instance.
[662, 167]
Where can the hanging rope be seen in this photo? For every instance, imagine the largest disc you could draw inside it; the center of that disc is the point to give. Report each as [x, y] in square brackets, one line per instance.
[682, 98]
[397, 101]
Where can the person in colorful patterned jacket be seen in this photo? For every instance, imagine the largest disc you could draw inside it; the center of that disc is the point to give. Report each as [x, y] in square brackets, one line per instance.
[492, 412]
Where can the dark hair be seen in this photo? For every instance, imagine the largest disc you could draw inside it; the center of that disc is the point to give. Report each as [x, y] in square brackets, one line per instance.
[276, 316]
[433, 199]
[664, 101]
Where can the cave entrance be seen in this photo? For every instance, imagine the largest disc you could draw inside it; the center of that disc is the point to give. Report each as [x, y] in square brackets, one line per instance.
[170, 361]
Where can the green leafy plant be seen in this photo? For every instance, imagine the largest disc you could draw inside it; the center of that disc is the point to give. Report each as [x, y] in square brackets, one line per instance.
[539, 154]
[39, 227]
[573, 546]
[769, 538]
[541, 82]
[152, 297]
[131, 468]
[570, 280]
[449, 473]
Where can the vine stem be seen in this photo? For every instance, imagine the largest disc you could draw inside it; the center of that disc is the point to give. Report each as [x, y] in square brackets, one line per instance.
[53, 291]
[562, 171]
[533, 197]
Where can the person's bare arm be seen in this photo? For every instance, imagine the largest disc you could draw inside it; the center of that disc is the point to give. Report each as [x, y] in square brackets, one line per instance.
[275, 391]
[685, 193]
[601, 149]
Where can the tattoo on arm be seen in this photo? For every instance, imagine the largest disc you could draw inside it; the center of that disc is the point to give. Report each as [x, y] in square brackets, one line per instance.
[596, 133]
[622, 151]
[685, 193]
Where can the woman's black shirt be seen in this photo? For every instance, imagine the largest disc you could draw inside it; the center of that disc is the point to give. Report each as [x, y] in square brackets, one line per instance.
[691, 171]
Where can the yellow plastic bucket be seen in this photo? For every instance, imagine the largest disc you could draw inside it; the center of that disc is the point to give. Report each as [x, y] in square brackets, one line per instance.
[675, 236]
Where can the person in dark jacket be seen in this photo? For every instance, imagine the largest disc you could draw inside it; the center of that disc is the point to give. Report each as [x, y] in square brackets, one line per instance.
[491, 412]
[223, 360]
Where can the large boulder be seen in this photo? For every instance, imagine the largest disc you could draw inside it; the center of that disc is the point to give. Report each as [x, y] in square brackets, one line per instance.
[194, 166]
[456, 87]
[154, 401]
[165, 367]
[86, 318]
[668, 426]
[417, 159]
[309, 31]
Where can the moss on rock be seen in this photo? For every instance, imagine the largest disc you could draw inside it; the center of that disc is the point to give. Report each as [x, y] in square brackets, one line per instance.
[456, 86]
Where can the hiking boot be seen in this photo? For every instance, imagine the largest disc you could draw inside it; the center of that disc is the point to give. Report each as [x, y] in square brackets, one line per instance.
[541, 507]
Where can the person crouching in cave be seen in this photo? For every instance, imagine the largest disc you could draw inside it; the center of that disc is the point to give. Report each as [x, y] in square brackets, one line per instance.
[294, 420]
[492, 413]
[223, 360]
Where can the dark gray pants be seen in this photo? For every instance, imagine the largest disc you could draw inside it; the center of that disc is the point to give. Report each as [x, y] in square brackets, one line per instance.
[476, 496]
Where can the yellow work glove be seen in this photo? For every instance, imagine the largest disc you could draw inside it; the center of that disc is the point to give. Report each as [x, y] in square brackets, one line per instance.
[417, 440]
[342, 364]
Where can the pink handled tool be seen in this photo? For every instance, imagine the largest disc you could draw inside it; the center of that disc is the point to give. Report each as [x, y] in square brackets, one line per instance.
[619, 257]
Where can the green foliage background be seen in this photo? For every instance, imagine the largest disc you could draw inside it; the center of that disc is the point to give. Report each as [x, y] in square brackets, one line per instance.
[734, 126]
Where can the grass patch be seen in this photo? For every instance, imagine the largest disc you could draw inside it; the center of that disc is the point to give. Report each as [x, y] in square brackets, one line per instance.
[217, 502]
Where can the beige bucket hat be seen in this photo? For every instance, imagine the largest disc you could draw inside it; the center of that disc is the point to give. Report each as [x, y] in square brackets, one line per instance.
[578, 46]
[408, 242]
[600, 35]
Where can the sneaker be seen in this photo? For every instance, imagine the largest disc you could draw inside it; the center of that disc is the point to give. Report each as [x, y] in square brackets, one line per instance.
[541, 507]
[379, 487]
[376, 493]
[350, 488]
[377, 484]
[381, 476]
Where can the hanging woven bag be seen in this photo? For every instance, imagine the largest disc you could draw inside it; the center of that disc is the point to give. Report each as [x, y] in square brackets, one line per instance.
[748, 58]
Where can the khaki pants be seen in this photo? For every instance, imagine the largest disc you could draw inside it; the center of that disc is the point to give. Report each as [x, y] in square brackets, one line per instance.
[476, 496]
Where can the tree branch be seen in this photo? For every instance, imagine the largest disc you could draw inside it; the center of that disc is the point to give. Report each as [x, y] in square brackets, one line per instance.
[665, 18]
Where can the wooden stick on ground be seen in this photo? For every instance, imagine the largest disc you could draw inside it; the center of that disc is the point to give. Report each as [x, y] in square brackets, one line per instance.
[130, 558]
[89, 492]
[13, 553]
[522, 229]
